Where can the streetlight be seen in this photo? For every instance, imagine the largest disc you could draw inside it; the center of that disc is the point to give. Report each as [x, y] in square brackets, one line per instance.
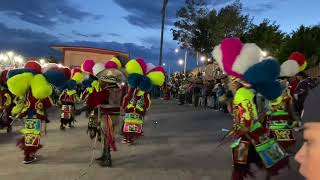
[18, 59]
[176, 50]
[209, 59]
[180, 62]
[10, 54]
[164, 64]
[42, 61]
[203, 58]
[264, 53]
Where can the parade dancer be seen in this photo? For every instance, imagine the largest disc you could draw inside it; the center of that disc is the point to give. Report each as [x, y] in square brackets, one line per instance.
[141, 78]
[280, 119]
[68, 99]
[33, 90]
[105, 99]
[5, 103]
[243, 63]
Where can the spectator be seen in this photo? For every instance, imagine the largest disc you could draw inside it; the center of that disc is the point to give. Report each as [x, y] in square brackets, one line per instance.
[308, 156]
[301, 91]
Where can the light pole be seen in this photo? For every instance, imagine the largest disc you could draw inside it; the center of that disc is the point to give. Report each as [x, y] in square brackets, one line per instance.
[184, 61]
[163, 12]
[181, 62]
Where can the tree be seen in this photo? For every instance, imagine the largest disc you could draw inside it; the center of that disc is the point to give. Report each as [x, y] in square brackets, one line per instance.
[305, 40]
[266, 35]
[202, 37]
[186, 25]
[228, 22]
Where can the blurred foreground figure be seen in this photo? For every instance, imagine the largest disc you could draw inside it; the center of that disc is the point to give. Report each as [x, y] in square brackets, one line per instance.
[309, 154]
[249, 75]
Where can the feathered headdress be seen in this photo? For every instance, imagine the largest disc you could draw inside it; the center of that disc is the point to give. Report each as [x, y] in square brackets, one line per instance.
[296, 63]
[33, 77]
[245, 62]
[143, 76]
[109, 71]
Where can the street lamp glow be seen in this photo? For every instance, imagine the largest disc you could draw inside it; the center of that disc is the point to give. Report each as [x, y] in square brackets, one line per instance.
[209, 59]
[176, 50]
[264, 53]
[2, 57]
[10, 54]
[203, 58]
[180, 62]
[164, 64]
[18, 59]
[42, 61]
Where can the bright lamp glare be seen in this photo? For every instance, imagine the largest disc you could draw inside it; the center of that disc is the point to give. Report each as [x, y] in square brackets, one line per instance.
[264, 53]
[10, 54]
[42, 61]
[203, 58]
[18, 59]
[176, 50]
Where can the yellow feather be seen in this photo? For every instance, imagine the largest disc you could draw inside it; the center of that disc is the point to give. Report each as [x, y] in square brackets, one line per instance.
[157, 78]
[133, 67]
[19, 84]
[40, 87]
[117, 61]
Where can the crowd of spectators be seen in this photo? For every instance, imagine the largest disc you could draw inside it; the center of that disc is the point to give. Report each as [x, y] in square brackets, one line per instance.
[195, 91]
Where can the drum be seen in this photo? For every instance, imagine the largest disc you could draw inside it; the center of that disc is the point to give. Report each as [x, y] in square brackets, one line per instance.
[270, 152]
[133, 123]
[66, 111]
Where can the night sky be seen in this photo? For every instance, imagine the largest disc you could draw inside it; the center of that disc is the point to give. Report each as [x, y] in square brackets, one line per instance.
[29, 26]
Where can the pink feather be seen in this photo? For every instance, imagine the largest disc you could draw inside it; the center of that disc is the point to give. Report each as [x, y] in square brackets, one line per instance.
[143, 65]
[88, 65]
[111, 64]
[231, 48]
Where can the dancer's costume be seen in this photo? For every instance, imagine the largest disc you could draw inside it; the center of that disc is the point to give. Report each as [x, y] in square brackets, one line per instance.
[141, 78]
[32, 90]
[280, 120]
[104, 102]
[6, 102]
[242, 62]
[68, 99]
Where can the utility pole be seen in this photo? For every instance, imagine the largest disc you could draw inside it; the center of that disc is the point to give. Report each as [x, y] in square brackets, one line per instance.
[163, 12]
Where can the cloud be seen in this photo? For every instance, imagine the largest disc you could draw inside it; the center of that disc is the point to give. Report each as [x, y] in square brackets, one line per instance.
[147, 13]
[260, 8]
[114, 34]
[36, 44]
[44, 13]
[86, 35]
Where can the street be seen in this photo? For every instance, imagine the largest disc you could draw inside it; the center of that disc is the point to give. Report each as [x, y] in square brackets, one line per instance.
[179, 143]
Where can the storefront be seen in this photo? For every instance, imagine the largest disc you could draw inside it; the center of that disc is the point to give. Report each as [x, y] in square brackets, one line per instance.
[74, 55]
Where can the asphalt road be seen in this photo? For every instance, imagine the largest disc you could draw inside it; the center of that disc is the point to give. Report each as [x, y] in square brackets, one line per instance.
[179, 144]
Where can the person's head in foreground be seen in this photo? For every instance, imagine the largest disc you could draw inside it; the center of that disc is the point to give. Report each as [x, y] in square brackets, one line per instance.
[309, 155]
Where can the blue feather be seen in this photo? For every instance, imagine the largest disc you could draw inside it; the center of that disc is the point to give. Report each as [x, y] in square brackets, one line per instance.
[270, 90]
[14, 72]
[134, 80]
[266, 71]
[145, 84]
[56, 78]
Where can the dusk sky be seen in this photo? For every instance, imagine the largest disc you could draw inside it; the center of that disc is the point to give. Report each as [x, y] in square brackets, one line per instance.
[30, 26]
